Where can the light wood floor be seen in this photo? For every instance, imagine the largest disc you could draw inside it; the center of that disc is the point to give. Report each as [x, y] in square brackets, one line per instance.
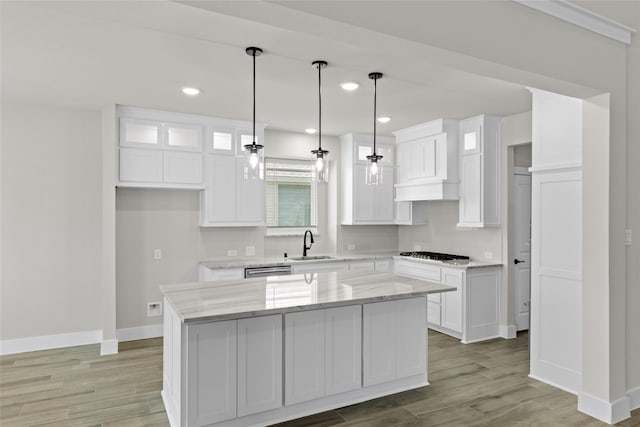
[483, 384]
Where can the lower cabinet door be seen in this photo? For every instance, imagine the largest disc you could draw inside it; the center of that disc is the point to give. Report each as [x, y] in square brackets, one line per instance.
[452, 301]
[304, 356]
[211, 372]
[259, 364]
[412, 340]
[343, 349]
[379, 342]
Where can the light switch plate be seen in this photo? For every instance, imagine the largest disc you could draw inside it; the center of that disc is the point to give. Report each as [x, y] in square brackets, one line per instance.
[488, 255]
[154, 309]
[351, 247]
[250, 251]
[157, 254]
[627, 237]
[232, 252]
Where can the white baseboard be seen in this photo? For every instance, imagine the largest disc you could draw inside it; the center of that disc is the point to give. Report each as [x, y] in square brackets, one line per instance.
[634, 398]
[608, 412]
[139, 332]
[108, 347]
[48, 342]
[553, 384]
[508, 331]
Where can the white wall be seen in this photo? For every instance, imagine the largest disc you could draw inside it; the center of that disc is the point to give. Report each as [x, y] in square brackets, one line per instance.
[440, 234]
[51, 221]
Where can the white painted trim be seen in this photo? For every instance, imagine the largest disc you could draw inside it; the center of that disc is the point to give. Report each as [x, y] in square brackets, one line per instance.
[634, 398]
[47, 342]
[553, 384]
[574, 14]
[139, 332]
[508, 331]
[608, 412]
[556, 167]
[521, 170]
[108, 347]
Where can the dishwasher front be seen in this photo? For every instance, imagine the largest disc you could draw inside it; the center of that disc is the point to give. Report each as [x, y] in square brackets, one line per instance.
[276, 270]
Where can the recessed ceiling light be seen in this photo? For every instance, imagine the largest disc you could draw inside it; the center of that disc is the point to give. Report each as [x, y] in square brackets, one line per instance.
[384, 119]
[310, 130]
[349, 86]
[191, 91]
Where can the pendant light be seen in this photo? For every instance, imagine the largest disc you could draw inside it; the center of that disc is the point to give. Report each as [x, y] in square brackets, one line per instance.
[320, 165]
[253, 153]
[374, 169]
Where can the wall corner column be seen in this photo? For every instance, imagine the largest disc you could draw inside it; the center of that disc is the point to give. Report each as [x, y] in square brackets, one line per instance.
[109, 343]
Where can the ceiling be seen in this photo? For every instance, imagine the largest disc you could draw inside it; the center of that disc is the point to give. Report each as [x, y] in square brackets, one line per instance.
[88, 54]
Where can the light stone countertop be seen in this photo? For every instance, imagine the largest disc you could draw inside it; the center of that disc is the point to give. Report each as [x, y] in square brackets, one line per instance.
[235, 299]
[232, 262]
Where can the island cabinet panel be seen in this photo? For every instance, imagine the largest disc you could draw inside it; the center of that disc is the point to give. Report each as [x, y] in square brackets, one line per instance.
[322, 353]
[304, 356]
[211, 372]
[452, 301]
[343, 349]
[259, 364]
[394, 343]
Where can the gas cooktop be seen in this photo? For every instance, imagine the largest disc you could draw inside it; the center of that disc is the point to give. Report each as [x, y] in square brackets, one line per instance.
[436, 256]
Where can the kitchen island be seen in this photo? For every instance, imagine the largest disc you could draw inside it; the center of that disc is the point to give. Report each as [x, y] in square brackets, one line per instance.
[264, 350]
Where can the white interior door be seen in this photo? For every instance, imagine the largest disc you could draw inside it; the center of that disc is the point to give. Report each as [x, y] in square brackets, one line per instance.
[522, 241]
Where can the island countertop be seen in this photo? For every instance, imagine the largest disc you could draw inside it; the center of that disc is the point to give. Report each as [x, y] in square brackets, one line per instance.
[235, 299]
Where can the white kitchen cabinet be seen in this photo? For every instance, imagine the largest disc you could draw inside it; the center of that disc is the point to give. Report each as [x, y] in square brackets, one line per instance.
[451, 302]
[384, 265]
[411, 213]
[156, 153]
[304, 356]
[393, 343]
[210, 274]
[479, 172]
[229, 199]
[471, 312]
[322, 353]
[427, 166]
[317, 267]
[211, 372]
[362, 203]
[363, 264]
[259, 364]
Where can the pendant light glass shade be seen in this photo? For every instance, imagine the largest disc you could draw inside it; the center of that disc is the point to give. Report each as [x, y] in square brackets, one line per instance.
[374, 172]
[253, 153]
[319, 156]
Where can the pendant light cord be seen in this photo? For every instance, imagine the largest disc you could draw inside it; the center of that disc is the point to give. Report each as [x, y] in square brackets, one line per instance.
[375, 102]
[254, 98]
[319, 108]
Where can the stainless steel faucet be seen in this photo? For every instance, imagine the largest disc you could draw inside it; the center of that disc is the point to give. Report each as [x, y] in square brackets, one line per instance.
[304, 242]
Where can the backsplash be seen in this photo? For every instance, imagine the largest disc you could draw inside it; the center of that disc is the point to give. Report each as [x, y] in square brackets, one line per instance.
[440, 234]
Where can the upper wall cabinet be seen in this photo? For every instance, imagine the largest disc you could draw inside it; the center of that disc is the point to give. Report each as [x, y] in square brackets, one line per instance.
[363, 203]
[427, 161]
[480, 172]
[156, 150]
[160, 149]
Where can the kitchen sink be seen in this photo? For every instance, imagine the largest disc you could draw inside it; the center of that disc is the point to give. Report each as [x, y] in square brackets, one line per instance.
[310, 257]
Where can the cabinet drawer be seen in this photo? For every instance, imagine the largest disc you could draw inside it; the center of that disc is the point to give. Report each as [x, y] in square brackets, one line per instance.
[419, 271]
[362, 265]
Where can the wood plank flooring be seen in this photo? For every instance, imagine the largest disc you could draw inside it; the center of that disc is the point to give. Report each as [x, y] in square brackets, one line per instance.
[482, 384]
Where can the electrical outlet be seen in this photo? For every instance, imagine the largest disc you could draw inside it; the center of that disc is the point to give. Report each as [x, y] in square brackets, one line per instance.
[250, 251]
[417, 247]
[154, 309]
[488, 255]
[232, 252]
[157, 254]
[627, 237]
[351, 247]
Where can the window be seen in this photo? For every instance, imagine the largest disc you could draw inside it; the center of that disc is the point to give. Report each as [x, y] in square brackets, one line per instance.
[291, 196]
